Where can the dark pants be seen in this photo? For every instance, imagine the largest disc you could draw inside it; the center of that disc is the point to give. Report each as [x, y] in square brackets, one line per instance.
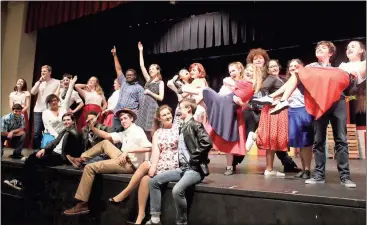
[338, 119]
[252, 119]
[31, 179]
[117, 124]
[38, 128]
[16, 142]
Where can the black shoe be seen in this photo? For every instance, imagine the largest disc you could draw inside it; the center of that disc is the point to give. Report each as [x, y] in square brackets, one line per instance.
[113, 202]
[291, 169]
[16, 156]
[306, 174]
[300, 174]
[142, 222]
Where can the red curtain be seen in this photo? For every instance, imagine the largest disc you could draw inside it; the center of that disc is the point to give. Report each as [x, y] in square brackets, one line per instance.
[47, 14]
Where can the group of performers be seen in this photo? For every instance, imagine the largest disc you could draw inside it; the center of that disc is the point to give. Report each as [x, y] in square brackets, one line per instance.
[255, 105]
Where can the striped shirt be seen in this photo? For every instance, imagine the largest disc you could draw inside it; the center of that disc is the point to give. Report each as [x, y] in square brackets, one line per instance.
[131, 95]
[10, 122]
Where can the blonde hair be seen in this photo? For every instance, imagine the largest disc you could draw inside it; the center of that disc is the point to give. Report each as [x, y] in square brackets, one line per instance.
[240, 67]
[257, 78]
[98, 87]
[159, 75]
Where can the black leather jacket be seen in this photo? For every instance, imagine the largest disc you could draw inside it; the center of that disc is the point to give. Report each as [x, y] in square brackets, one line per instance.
[198, 143]
[86, 144]
[71, 144]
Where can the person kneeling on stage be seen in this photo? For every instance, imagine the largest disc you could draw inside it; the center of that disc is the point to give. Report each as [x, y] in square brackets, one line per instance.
[126, 160]
[12, 129]
[194, 145]
[66, 144]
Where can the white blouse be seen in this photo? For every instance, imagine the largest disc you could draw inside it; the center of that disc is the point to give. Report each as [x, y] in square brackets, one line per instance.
[53, 124]
[112, 101]
[91, 97]
[19, 97]
[225, 90]
[350, 67]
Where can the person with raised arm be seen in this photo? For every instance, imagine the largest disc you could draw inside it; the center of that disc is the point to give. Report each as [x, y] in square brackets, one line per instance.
[153, 92]
[75, 98]
[43, 87]
[94, 98]
[131, 92]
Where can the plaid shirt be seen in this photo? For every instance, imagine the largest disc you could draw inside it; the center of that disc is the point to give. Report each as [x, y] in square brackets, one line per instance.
[131, 95]
[9, 122]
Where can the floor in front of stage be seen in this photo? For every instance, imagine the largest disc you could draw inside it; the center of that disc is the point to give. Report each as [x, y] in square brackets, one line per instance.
[249, 177]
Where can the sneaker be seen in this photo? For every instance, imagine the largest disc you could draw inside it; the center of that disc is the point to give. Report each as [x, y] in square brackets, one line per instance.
[250, 141]
[14, 184]
[24, 159]
[276, 102]
[279, 107]
[300, 174]
[266, 100]
[315, 180]
[274, 173]
[150, 222]
[16, 156]
[306, 174]
[229, 171]
[348, 183]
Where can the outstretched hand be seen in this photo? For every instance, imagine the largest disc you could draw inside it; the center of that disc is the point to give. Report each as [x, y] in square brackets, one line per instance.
[75, 78]
[113, 51]
[140, 46]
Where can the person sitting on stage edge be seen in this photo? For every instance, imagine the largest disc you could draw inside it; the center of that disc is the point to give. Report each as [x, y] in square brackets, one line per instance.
[194, 145]
[67, 143]
[126, 160]
[90, 138]
[12, 129]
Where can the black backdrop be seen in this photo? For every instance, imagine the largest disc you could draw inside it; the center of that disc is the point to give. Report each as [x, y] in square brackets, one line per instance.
[287, 29]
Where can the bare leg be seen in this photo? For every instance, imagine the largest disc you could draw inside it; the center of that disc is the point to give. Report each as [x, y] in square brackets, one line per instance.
[135, 180]
[306, 154]
[143, 195]
[269, 160]
[229, 159]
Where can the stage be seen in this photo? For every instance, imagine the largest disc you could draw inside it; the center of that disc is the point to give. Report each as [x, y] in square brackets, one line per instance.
[244, 198]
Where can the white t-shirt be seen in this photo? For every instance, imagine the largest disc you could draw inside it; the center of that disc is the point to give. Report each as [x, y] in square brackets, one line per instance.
[92, 97]
[132, 138]
[74, 97]
[44, 90]
[19, 97]
[112, 101]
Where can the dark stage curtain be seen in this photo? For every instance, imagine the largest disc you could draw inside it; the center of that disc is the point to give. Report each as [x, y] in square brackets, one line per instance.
[47, 14]
[200, 31]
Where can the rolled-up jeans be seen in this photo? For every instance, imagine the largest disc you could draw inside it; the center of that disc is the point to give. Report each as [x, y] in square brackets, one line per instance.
[185, 178]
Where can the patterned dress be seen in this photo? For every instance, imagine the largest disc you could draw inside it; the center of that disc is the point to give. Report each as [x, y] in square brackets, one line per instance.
[168, 147]
[149, 107]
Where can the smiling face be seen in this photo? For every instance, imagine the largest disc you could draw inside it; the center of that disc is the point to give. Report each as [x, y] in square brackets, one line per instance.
[54, 103]
[258, 61]
[20, 83]
[354, 51]
[17, 112]
[249, 72]
[273, 68]
[130, 76]
[153, 70]
[92, 82]
[126, 120]
[65, 82]
[184, 75]
[194, 72]
[234, 72]
[165, 117]
[45, 73]
[68, 121]
[323, 52]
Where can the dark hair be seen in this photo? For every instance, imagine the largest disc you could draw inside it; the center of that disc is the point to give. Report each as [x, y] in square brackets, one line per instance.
[24, 88]
[17, 107]
[72, 117]
[189, 102]
[50, 97]
[289, 63]
[133, 71]
[49, 68]
[92, 113]
[69, 76]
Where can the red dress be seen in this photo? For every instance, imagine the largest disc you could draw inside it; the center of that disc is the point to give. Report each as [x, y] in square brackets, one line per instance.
[226, 126]
[323, 87]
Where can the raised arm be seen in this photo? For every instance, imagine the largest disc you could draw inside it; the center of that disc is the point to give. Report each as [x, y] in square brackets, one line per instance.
[57, 92]
[80, 89]
[141, 61]
[171, 85]
[65, 103]
[36, 86]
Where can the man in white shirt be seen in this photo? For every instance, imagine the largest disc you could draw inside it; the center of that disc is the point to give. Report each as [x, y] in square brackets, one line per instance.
[75, 98]
[43, 87]
[134, 143]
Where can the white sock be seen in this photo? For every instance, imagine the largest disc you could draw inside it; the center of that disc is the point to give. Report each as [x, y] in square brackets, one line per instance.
[155, 219]
[229, 167]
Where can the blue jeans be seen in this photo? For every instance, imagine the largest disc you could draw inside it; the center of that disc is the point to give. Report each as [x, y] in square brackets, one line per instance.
[184, 178]
[16, 142]
[38, 128]
[116, 123]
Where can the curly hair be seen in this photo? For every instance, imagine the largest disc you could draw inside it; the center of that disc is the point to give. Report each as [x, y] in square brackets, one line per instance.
[257, 51]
